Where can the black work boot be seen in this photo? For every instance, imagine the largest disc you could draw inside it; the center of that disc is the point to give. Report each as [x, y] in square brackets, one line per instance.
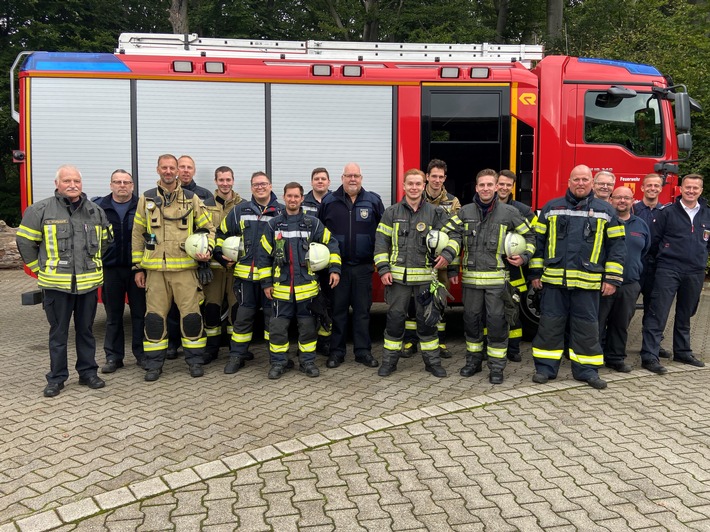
[474, 362]
[389, 364]
[432, 363]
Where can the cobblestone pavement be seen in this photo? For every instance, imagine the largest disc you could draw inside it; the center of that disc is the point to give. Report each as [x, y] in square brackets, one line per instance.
[348, 450]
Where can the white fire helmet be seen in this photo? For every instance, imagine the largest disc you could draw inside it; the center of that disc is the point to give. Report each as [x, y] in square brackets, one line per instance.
[233, 248]
[436, 241]
[317, 257]
[514, 244]
[197, 243]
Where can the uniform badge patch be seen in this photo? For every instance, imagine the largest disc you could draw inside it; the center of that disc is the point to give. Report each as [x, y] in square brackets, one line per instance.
[706, 235]
[364, 213]
[421, 226]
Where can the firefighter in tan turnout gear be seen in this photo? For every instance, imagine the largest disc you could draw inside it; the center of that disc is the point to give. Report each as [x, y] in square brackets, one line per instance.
[165, 217]
[220, 289]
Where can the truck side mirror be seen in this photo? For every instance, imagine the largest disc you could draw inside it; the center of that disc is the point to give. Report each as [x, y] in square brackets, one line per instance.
[682, 112]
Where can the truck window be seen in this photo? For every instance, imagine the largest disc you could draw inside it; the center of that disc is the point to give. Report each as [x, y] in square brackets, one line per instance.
[631, 122]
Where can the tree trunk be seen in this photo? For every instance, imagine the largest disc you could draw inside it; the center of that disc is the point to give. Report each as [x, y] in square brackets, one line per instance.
[555, 12]
[502, 9]
[371, 31]
[178, 16]
[336, 18]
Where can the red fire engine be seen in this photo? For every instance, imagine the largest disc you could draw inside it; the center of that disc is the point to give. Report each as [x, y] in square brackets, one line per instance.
[288, 107]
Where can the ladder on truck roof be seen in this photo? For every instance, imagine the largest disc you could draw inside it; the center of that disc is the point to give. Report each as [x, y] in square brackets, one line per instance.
[193, 45]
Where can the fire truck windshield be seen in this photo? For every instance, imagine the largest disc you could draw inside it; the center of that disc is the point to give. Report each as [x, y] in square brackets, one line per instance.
[631, 122]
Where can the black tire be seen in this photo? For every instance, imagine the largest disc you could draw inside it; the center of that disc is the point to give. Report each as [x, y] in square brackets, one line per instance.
[530, 313]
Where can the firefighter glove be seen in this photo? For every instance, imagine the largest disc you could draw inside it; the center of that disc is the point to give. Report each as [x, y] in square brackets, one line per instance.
[204, 273]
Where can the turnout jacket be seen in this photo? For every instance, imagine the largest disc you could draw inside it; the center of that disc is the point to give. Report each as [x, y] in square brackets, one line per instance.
[400, 243]
[170, 218]
[679, 244]
[580, 243]
[353, 225]
[64, 246]
[482, 241]
[218, 208]
[311, 205]
[248, 220]
[518, 273]
[282, 257]
[119, 253]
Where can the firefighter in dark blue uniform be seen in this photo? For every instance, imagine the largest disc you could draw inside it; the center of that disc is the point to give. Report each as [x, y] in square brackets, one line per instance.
[119, 277]
[248, 220]
[352, 214]
[320, 189]
[504, 189]
[680, 244]
[579, 256]
[289, 282]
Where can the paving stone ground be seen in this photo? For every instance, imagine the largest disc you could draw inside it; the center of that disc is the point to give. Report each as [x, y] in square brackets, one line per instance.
[348, 450]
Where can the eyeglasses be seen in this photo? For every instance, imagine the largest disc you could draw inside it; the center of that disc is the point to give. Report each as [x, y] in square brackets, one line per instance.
[260, 185]
[352, 175]
[605, 185]
[121, 182]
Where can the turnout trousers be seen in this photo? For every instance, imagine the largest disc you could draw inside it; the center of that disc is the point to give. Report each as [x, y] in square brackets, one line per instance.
[282, 314]
[120, 283]
[216, 294]
[581, 308]
[686, 289]
[485, 304]
[398, 296]
[354, 290]
[162, 289]
[59, 308]
[615, 313]
[250, 298]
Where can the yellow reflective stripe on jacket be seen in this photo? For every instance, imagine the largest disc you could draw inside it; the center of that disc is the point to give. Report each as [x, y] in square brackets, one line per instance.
[552, 237]
[482, 278]
[598, 241]
[572, 278]
[29, 233]
[414, 275]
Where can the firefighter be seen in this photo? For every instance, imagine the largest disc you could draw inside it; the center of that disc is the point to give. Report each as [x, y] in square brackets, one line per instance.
[119, 279]
[320, 188]
[406, 270]
[352, 214]
[616, 310]
[165, 217]
[186, 174]
[436, 194]
[680, 243]
[248, 220]
[504, 189]
[603, 185]
[483, 226]
[219, 289]
[579, 256]
[62, 239]
[289, 280]
[647, 208]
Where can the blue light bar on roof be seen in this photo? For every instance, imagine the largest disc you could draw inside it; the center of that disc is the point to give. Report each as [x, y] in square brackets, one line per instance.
[74, 62]
[633, 68]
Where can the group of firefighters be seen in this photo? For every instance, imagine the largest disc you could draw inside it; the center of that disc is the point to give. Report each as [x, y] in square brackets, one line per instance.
[311, 259]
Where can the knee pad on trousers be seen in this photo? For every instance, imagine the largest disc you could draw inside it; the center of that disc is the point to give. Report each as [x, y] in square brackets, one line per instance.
[213, 314]
[192, 325]
[154, 327]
